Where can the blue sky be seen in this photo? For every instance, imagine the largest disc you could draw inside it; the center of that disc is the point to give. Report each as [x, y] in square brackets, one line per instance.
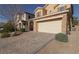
[31, 7]
[3, 19]
[76, 10]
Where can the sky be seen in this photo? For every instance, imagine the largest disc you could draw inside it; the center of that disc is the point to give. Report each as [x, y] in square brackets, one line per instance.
[76, 10]
[31, 7]
[26, 7]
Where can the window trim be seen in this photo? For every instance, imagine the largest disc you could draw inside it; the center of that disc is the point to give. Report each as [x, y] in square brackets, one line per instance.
[38, 14]
[61, 8]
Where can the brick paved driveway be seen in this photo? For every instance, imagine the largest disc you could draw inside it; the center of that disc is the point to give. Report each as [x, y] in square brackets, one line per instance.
[28, 42]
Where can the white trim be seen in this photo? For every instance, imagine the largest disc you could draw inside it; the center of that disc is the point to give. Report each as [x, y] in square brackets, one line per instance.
[38, 8]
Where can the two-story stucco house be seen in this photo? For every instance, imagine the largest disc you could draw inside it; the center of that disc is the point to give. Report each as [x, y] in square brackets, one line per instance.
[53, 18]
[23, 20]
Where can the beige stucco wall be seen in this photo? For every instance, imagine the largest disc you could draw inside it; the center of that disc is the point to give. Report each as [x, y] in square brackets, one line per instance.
[66, 17]
[63, 16]
[41, 12]
[49, 8]
[53, 8]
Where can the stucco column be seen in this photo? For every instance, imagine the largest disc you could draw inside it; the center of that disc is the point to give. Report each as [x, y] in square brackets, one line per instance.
[21, 25]
[34, 26]
[64, 23]
[28, 25]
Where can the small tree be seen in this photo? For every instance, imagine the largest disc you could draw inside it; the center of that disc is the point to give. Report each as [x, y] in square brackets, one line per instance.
[10, 11]
[75, 20]
[8, 27]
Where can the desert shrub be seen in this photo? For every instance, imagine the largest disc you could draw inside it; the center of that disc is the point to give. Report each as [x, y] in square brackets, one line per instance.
[61, 37]
[5, 34]
[22, 29]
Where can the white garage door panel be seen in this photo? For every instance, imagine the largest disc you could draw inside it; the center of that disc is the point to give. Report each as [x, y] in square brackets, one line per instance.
[50, 26]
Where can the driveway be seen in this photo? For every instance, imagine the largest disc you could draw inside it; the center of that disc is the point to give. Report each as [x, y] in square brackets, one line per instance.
[28, 42]
[59, 47]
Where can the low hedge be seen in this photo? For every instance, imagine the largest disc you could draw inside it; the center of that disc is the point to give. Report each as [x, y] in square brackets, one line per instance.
[22, 30]
[61, 37]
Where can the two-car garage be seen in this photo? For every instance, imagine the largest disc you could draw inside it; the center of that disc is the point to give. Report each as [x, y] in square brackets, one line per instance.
[51, 26]
[56, 23]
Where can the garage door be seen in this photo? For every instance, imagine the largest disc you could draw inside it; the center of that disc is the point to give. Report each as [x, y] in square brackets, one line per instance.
[50, 26]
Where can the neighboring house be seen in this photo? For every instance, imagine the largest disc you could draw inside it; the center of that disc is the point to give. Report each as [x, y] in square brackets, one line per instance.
[53, 18]
[23, 20]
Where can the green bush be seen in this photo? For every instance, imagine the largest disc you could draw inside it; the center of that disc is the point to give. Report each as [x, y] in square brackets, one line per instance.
[5, 34]
[8, 27]
[61, 37]
[22, 30]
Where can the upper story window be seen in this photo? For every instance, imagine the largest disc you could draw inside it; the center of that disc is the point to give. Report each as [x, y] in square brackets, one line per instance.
[44, 12]
[61, 8]
[29, 16]
[38, 14]
[50, 12]
[23, 16]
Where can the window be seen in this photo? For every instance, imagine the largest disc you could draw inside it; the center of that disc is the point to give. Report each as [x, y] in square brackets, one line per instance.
[45, 12]
[29, 17]
[61, 8]
[38, 14]
[50, 12]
